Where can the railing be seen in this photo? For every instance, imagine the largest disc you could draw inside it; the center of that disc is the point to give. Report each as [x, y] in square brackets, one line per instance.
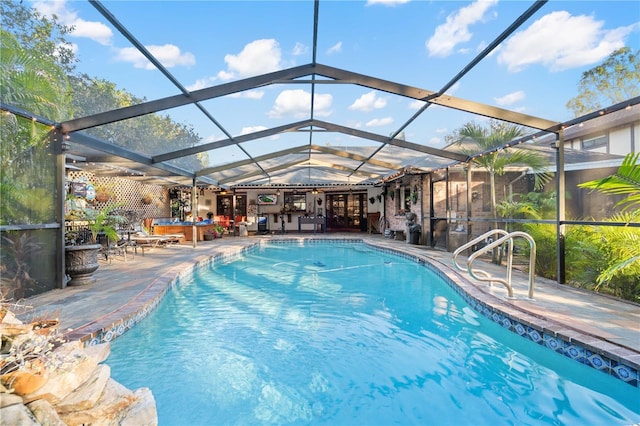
[508, 238]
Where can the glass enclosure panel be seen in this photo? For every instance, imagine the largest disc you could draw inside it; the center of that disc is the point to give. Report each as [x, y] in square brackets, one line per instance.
[27, 263]
[27, 173]
[27, 197]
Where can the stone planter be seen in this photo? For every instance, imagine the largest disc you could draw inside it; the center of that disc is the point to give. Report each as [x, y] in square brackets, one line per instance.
[81, 262]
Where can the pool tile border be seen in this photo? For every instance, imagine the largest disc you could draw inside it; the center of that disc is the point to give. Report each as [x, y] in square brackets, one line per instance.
[580, 347]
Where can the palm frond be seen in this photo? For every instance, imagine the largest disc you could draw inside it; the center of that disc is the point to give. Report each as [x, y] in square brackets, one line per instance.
[625, 181]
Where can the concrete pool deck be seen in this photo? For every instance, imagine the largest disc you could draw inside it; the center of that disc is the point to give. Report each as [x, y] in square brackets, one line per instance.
[125, 289]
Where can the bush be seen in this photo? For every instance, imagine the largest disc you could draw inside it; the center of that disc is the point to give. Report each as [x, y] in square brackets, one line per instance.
[596, 258]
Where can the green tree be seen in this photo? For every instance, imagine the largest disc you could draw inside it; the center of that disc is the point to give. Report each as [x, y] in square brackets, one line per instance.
[149, 134]
[613, 81]
[40, 86]
[621, 245]
[625, 181]
[44, 38]
[475, 138]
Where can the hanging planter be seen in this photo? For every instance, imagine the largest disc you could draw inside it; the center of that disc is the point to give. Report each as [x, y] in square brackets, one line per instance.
[147, 199]
[103, 197]
[414, 195]
[372, 200]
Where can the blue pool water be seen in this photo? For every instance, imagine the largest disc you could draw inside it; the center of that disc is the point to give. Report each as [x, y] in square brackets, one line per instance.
[342, 334]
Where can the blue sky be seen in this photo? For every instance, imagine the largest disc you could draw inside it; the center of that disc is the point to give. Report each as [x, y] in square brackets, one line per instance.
[419, 43]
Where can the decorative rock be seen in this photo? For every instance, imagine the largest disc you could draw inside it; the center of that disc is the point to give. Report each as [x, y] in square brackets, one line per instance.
[143, 412]
[61, 382]
[45, 413]
[8, 399]
[99, 353]
[79, 390]
[115, 401]
[87, 395]
[18, 415]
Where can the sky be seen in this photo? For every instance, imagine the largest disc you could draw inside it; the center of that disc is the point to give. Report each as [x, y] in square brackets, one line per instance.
[419, 43]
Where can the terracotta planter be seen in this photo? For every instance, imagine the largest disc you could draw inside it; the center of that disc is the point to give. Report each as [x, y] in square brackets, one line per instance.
[102, 197]
[81, 262]
[45, 327]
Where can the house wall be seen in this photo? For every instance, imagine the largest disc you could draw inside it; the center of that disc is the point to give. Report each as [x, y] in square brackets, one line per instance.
[207, 202]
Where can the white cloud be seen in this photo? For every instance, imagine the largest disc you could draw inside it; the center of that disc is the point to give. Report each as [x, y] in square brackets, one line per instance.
[201, 84]
[300, 49]
[368, 102]
[169, 55]
[510, 98]
[297, 103]
[377, 122]
[387, 2]
[258, 57]
[224, 75]
[434, 141]
[442, 130]
[336, 48]
[561, 41]
[453, 89]
[252, 129]
[248, 94]
[94, 30]
[456, 28]
[416, 104]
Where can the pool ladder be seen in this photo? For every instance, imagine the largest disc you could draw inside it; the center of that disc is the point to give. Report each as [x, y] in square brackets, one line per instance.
[505, 237]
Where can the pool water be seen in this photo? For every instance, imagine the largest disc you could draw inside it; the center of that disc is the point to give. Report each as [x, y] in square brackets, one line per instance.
[342, 334]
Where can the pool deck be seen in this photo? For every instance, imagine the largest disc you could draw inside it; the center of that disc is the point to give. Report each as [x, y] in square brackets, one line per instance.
[124, 288]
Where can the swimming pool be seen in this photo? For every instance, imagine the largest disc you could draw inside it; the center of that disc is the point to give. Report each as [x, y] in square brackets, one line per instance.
[345, 334]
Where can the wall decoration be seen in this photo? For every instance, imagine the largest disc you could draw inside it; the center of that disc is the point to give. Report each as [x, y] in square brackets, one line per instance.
[267, 199]
[78, 189]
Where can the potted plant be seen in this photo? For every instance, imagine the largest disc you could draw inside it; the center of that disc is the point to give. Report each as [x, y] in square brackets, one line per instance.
[218, 231]
[104, 193]
[81, 246]
[147, 199]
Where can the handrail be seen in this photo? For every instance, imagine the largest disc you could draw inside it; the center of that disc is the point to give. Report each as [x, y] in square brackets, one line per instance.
[470, 244]
[508, 238]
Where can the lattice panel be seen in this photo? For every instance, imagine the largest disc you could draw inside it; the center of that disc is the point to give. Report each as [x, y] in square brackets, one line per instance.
[131, 195]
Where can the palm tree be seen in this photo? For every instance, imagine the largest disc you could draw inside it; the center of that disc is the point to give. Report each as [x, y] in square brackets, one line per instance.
[495, 161]
[625, 181]
[41, 87]
[624, 242]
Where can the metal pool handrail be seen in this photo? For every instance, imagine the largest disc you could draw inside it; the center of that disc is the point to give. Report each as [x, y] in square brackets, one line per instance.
[508, 238]
[470, 244]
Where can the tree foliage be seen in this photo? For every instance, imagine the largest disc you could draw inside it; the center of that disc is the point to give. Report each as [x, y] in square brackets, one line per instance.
[150, 134]
[625, 181]
[613, 81]
[37, 85]
[44, 38]
[475, 138]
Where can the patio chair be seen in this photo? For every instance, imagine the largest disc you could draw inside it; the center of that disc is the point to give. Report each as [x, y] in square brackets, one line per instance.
[109, 250]
[149, 241]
